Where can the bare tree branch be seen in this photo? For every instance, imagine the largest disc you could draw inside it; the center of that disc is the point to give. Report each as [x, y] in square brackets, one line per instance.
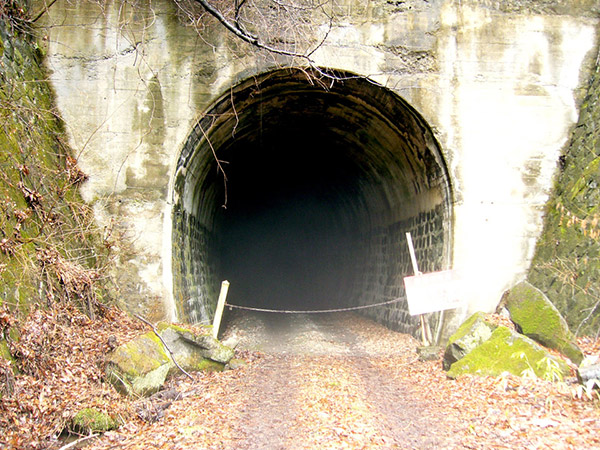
[246, 36]
[42, 12]
[165, 344]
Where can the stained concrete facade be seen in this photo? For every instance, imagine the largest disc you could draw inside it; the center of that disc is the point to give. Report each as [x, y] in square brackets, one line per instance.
[475, 100]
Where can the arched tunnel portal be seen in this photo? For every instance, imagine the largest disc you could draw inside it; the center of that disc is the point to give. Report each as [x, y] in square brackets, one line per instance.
[299, 190]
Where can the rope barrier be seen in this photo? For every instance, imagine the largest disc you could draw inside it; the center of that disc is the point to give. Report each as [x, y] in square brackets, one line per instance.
[319, 311]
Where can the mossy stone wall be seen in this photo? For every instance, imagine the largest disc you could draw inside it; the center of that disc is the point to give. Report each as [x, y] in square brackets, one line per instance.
[566, 266]
[49, 249]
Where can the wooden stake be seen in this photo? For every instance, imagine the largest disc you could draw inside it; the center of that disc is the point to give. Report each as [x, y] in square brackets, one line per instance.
[220, 307]
[425, 331]
[413, 256]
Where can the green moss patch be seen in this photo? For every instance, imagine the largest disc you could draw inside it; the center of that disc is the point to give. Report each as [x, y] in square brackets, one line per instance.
[140, 356]
[507, 351]
[208, 365]
[50, 249]
[538, 318]
[469, 335]
[474, 331]
[566, 266]
[4, 350]
[141, 366]
[90, 420]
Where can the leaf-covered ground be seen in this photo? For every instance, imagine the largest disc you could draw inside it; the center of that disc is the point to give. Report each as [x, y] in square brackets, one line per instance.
[324, 382]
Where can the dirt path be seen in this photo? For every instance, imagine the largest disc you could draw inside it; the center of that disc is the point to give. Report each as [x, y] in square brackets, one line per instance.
[334, 392]
[315, 384]
[332, 382]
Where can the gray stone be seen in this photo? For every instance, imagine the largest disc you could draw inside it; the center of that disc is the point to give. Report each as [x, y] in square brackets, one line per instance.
[141, 366]
[428, 353]
[536, 317]
[234, 364]
[474, 331]
[128, 365]
[210, 347]
[152, 381]
[588, 371]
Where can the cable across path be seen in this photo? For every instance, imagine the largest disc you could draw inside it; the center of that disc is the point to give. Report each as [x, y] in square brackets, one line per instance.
[317, 311]
[222, 303]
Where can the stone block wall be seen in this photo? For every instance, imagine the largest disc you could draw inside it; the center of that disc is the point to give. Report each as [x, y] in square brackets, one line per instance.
[194, 270]
[566, 265]
[387, 261]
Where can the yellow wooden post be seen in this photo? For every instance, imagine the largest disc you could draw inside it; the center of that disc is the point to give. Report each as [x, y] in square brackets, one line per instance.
[220, 308]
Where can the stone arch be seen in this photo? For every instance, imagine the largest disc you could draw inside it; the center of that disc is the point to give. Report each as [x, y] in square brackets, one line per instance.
[322, 180]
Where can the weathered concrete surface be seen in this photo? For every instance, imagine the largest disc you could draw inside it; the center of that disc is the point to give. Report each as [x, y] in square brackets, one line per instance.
[497, 82]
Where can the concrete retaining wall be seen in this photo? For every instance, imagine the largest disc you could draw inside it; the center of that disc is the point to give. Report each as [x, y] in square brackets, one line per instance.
[497, 83]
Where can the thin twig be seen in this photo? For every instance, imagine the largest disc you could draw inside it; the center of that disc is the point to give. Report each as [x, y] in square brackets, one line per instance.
[165, 344]
[219, 165]
[78, 441]
[42, 12]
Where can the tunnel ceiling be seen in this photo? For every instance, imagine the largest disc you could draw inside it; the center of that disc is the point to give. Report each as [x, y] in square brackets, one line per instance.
[322, 162]
[291, 132]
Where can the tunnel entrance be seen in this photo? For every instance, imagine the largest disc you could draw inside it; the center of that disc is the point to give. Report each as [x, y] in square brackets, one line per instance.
[299, 189]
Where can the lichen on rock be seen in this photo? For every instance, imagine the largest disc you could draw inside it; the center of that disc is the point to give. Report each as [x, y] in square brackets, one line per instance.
[474, 331]
[536, 317]
[507, 351]
[141, 366]
[212, 348]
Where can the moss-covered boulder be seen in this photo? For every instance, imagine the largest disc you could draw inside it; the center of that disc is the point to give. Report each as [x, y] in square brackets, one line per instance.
[536, 317]
[507, 351]
[210, 347]
[474, 331]
[195, 351]
[90, 420]
[141, 366]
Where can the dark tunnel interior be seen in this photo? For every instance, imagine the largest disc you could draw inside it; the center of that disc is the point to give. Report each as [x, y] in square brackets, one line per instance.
[282, 237]
[320, 185]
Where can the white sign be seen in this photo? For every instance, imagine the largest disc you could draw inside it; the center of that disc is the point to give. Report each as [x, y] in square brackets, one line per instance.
[431, 292]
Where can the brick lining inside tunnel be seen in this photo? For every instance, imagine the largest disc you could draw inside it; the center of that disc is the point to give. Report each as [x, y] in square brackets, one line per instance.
[322, 182]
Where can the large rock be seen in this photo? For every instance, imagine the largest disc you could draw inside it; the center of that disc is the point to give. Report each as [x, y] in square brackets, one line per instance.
[473, 332]
[536, 317]
[141, 366]
[507, 351]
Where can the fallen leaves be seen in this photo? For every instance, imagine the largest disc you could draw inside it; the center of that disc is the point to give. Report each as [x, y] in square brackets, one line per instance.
[333, 409]
[59, 356]
[375, 395]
